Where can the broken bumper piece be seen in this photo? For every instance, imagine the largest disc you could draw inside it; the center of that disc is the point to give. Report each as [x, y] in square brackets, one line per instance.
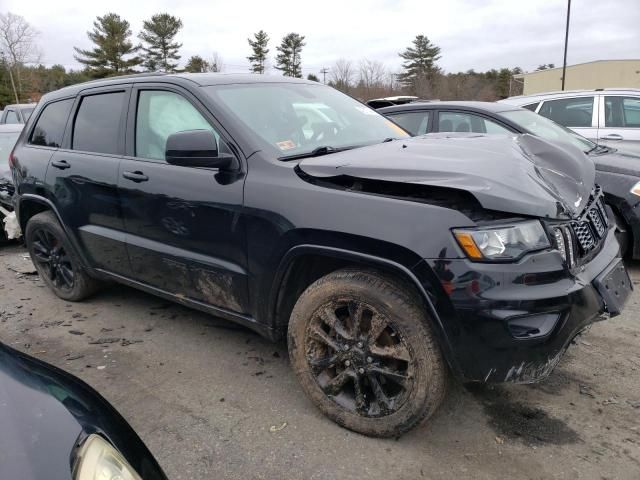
[513, 322]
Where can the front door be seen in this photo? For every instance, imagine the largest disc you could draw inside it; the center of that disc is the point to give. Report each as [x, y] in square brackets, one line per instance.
[83, 177]
[185, 231]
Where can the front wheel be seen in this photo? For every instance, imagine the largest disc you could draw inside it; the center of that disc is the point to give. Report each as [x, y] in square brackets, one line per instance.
[622, 234]
[364, 352]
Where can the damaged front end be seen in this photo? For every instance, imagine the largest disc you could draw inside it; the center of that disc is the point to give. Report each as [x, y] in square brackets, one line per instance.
[540, 262]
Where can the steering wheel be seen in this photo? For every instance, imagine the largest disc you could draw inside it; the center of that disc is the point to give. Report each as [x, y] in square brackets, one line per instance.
[324, 131]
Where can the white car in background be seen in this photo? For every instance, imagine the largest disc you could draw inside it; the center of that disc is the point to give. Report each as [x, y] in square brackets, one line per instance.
[609, 116]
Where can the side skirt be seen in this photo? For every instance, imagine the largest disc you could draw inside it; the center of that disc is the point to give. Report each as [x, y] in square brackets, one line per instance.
[240, 319]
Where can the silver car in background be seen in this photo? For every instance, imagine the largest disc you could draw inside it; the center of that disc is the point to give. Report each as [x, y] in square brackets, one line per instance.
[609, 116]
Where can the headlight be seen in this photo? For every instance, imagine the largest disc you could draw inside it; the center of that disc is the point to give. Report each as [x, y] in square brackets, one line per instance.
[98, 460]
[636, 189]
[502, 243]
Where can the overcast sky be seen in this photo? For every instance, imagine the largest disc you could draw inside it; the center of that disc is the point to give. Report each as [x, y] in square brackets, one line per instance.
[478, 34]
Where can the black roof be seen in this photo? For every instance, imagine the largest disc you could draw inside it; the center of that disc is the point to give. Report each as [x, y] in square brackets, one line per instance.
[198, 79]
[479, 107]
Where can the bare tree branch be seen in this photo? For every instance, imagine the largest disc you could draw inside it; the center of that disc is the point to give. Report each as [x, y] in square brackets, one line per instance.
[342, 74]
[17, 46]
[216, 63]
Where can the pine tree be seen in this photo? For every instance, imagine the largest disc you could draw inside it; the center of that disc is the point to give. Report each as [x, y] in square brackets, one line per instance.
[260, 51]
[420, 62]
[159, 33]
[313, 78]
[113, 50]
[196, 64]
[288, 59]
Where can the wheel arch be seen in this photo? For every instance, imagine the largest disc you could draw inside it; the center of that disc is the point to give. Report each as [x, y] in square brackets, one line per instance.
[29, 205]
[304, 264]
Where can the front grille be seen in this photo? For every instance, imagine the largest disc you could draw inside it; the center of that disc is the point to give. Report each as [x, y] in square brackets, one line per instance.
[586, 233]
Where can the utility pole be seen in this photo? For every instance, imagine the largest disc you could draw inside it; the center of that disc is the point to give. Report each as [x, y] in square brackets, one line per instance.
[566, 41]
[324, 72]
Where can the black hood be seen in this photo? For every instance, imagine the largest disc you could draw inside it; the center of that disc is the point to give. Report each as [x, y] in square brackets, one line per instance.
[616, 161]
[519, 174]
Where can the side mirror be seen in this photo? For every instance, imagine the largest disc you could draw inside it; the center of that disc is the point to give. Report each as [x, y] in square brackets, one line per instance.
[196, 148]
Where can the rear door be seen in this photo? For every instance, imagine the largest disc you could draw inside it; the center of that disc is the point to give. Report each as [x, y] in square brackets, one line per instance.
[620, 122]
[82, 176]
[580, 114]
[185, 229]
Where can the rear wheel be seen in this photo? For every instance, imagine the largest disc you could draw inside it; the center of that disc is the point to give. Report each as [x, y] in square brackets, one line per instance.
[54, 259]
[364, 352]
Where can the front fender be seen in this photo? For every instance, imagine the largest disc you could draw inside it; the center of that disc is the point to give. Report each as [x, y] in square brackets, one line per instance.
[417, 274]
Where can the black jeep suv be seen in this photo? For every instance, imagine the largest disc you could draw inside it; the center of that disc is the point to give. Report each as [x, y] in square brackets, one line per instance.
[288, 207]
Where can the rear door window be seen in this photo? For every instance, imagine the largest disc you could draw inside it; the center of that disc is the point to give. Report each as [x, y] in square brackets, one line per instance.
[416, 123]
[49, 128]
[98, 123]
[12, 117]
[570, 112]
[468, 122]
[622, 112]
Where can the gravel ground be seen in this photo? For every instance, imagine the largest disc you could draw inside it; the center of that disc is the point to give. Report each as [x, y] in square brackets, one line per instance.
[204, 396]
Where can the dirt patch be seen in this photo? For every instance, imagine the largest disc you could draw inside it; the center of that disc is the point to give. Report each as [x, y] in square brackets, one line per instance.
[516, 420]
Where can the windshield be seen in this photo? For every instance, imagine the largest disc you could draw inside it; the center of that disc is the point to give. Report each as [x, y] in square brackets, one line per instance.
[548, 129]
[296, 119]
[7, 142]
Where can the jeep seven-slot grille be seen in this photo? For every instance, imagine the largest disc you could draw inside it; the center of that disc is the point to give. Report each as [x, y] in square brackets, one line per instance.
[586, 233]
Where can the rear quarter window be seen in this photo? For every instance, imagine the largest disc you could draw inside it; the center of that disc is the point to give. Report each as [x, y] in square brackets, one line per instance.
[49, 127]
[416, 123]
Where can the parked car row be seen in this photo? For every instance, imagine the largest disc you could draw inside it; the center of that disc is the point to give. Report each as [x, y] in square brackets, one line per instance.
[388, 262]
[609, 116]
[617, 173]
[8, 137]
[16, 114]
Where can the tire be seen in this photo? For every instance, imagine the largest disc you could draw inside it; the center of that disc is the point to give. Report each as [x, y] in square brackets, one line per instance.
[55, 260]
[391, 378]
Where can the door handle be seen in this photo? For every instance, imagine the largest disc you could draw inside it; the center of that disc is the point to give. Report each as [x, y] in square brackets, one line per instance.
[612, 136]
[136, 176]
[61, 164]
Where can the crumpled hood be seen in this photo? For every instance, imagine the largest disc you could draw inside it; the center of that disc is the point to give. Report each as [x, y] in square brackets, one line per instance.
[519, 174]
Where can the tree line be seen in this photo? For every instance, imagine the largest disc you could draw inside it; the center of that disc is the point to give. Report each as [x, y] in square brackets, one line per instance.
[116, 51]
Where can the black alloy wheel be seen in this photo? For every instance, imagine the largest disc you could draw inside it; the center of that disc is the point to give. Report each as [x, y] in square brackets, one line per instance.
[362, 347]
[53, 259]
[359, 359]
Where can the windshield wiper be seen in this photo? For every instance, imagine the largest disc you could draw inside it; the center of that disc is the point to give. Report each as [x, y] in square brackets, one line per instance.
[316, 152]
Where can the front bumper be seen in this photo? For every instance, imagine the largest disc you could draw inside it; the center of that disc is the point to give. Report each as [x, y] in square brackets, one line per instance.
[513, 322]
